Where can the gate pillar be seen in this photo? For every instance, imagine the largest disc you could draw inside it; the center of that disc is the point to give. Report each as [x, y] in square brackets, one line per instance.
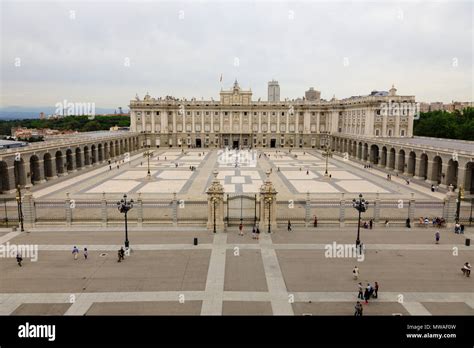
[215, 205]
[268, 218]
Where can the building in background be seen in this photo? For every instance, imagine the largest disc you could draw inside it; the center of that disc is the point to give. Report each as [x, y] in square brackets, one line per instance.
[238, 121]
[273, 91]
[312, 95]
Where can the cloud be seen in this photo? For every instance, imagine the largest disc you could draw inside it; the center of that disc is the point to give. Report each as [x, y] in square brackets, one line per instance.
[79, 51]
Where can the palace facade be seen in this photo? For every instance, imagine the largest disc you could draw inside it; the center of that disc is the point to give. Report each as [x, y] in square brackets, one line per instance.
[238, 121]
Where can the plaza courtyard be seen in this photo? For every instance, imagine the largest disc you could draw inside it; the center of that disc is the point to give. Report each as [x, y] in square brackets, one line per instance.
[282, 273]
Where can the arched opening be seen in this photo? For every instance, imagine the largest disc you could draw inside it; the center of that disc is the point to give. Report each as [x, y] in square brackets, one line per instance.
[4, 178]
[87, 160]
[48, 166]
[112, 150]
[366, 152]
[359, 151]
[35, 173]
[106, 151]
[78, 158]
[59, 162]
[391, 159]
[93, 154]
[411, 163]
[423, 166]
[383, 159]
[20, 173]
[401, 161]
[374, 154]
[121, 146]
[100, 153]
[469, 180]
[69, 161]
[437, 167]
[452, 174]
[117, 149]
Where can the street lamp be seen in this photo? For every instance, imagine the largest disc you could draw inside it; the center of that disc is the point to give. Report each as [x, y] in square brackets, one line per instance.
[361, 205]
[269, 201]
[20, 207]
[214, 201]
[124, 206]
[458, 202]
[327, 153]
[148, 154]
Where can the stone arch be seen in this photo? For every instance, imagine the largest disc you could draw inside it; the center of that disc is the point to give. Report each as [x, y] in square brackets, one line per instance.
[106, 151]
[100, 154]
[59, 163]
[469, 179]
[4, 177]
[374, 154]
[383, 158]
[117, 148]
[20, 172]
[411, 163]
[423, 171]
[69, 160]
[359, 151]
[93, 154]
[35, 171]
[48, 166]
[391, 158]
[365, 155]
[87, 160]
[401, 161]
[437, 169]
[452, 173]
[78, 158]
[112, 150]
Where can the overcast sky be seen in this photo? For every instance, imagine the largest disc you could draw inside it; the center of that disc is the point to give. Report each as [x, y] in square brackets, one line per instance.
[51, 51]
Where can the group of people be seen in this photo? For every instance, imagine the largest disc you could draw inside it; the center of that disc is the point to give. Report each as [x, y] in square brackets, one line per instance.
[436, 221]
[367, 224]
[434, 188]
[75, 252]
[367, 166]
[255, 231]
[458, 228]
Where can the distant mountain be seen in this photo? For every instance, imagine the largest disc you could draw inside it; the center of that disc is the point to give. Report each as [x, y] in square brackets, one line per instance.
[21, 113]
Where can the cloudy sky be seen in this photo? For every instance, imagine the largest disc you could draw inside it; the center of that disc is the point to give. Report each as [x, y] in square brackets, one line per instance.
[107, 51]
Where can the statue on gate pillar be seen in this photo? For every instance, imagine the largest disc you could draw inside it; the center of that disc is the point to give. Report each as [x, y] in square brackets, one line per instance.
[215, 204]
[268, 219]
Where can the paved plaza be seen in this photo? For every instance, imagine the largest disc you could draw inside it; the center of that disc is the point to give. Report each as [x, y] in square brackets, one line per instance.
[283, 273]
[294, 174]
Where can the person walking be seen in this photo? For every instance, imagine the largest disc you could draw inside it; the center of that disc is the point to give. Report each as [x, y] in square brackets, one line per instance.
[371, 223]
[315, 221]
[121, 255]
[19, 258]
[376, 290]
[241, 233]
[86, 253]
[289, 226]
[437, 237]
[366, 295]
[355, 273]
[75, 252]
[358, 309]
[466, 269]
[361, 292]
[258, 233]
[253, 232]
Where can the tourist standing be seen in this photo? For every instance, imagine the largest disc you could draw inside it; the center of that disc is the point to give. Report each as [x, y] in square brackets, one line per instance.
[371, 223]
[289, 226]
[241, 233]
[86, 253]
[355, 272]
[366, 295]
[361, 293]
[121, 254]
[315, 221]
[376, 290]
[75, 252]
[358, 309]
[258, 233]
[437, 237]
[254, 232]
